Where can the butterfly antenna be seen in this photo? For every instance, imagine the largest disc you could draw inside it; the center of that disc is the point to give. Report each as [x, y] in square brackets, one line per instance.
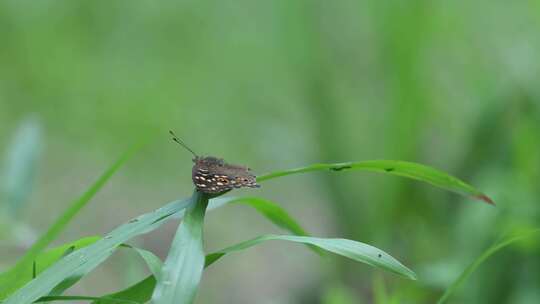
[181, 143]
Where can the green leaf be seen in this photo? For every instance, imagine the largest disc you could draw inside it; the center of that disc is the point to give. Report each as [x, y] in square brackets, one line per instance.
[85, 298]
[153, 262]
[394, 167]
[272, 211]
[74, 266]
[16, 278]
[348, 248]
[182, 271]
[140, 292]
[53, 232]
[502, 243]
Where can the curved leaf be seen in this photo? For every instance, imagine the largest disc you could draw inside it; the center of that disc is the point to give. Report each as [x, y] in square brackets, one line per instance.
[272, 211]
[72, 267]
[182, 271]
[393, 167]
[153, 262]
[140, 292]
[483, 257]
[348, 248]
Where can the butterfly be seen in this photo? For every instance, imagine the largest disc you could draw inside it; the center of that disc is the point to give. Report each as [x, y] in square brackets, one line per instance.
[213, 175]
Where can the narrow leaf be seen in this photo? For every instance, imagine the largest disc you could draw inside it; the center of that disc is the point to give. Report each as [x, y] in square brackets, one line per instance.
[16, 278]
[53, 232]
[184, 265]
[74, 266]
[152, 261]
[504, 242]
[84, 298]
[272, 211]
[348, 248]
[394, 167]
[140, 292]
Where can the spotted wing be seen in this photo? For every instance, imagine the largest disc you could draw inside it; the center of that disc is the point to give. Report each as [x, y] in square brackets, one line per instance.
[208, 182]
[212, 180]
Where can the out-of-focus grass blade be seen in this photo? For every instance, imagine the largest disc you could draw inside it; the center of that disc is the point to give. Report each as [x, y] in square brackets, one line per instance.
[23, 275]
[53, 232]
[504, 242]
[394, 167]
[80, 262]
[348, 248]
[182, 271]
[20, 165]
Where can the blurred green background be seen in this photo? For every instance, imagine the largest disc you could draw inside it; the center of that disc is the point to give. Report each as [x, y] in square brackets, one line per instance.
[273, 85]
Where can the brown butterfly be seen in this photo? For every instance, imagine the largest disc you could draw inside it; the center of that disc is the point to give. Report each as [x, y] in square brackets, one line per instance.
[213, 175]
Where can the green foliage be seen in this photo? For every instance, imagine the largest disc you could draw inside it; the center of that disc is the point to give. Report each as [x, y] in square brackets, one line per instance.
[16, 278]
[178, 279]
[65, 218]
[182, 271]
[72, 267]
[351, 249]
[393, 167]
[497, 246]
[278, 84]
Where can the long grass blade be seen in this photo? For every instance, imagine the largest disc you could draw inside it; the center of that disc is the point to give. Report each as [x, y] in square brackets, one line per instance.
[59, 225]
[182, 271]
[85, 298]
[393, 167]
[75, 265]
[16, 278]
[504, 242]
[142, 290]
[272, 211]
[152, 261]
[348, 248]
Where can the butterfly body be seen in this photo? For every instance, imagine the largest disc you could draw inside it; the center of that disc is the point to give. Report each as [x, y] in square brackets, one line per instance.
[213, 175]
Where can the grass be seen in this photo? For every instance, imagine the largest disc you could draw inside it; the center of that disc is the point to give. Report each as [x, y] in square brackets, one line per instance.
[177, 280]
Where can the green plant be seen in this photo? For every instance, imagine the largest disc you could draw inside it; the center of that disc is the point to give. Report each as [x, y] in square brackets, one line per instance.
[45, 275]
